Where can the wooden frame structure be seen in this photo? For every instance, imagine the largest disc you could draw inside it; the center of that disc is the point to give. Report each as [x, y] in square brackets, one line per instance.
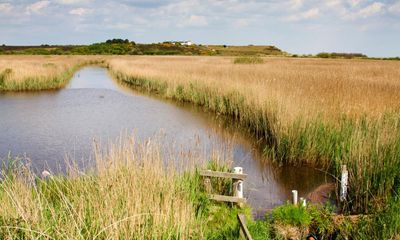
[237, 180]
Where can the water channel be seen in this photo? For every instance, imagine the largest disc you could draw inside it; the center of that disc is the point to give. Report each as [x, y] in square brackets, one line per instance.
[49, 126]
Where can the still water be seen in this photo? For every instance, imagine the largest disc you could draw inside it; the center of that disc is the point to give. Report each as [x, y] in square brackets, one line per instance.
[48, 127]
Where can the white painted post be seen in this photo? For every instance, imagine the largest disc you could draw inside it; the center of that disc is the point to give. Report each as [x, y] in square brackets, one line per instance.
[344, 183]
[46, 174]
[295, 195]
[239, 183]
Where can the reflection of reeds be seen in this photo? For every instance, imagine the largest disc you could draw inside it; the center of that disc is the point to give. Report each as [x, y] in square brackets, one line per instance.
[319, 112]
[131, 194]
[21, 73]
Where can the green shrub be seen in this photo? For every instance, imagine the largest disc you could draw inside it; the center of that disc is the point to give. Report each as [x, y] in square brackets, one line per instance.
[248, 60]
[3, 75]
[292, 215]
[384, 224]
[260, 230]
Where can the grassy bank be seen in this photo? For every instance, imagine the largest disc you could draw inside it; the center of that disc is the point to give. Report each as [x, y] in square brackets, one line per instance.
[135, 192]
[32, 73]
[309, 112]
[132, 193]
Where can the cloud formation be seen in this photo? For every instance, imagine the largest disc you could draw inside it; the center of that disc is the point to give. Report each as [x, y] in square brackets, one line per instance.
[340, 25]
[311, 13]
[80, 11]
[5, 7]
[37, 7]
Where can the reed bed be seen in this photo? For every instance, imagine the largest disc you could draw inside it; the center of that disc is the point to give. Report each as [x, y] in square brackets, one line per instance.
[27, 73]
[320, 112]
[133, 193]
[324, 113]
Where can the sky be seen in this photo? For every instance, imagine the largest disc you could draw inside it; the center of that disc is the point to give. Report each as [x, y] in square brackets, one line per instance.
[295, 26]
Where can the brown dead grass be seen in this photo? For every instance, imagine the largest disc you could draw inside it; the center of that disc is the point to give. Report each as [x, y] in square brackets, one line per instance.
[297, 86]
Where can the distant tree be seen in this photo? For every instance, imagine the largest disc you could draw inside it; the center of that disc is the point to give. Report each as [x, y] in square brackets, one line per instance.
[323, 55]
[224, 46]
[117, 41]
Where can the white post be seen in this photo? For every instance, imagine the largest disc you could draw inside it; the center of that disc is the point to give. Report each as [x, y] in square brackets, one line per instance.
[46, 174]
[295, 195]
[344, 183]
[239, 183]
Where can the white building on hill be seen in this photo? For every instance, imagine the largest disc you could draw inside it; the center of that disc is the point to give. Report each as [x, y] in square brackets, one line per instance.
[187, 43]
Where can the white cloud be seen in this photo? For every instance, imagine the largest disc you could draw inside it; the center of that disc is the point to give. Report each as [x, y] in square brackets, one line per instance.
[194, 21]
[242, 22]
[372, 9]
[368, 11]
[80, 11]
[395, 8]
[37, 7]
[355, 3]
[311, 13]
[68, 2]
[122, 26]
[5, 7]
[296, 3]
[333, 3]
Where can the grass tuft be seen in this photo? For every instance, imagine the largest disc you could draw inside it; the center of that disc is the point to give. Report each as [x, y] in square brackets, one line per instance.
[248, 60]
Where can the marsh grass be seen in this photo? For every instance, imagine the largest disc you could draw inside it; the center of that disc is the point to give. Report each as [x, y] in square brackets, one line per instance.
[319, 112]
[132, 193]
[348, 131]
[33, 73]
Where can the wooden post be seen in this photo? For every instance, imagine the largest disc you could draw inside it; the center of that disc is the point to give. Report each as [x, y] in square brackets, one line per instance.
[295, 195]
[207, 185]
[238, 184]
[344, 183]
[243, 230]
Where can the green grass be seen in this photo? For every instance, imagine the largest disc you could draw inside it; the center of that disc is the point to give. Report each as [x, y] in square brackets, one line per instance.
[136, 199]
[292, 215]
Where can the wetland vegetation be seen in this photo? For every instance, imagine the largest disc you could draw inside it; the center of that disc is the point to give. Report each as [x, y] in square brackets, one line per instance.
[319, 112]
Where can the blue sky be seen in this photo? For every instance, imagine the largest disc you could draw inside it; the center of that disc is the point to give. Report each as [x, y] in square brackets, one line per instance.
[296, 26]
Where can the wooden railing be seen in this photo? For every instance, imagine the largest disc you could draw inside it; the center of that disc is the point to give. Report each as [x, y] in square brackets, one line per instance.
[237, 178]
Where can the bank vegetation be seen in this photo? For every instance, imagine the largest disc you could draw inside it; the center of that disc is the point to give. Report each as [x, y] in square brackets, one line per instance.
[319, 112]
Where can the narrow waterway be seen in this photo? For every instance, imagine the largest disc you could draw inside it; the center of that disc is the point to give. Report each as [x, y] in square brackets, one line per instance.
[48, 127]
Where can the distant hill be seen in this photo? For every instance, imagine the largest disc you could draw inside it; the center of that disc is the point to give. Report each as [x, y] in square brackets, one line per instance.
[126, 47]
